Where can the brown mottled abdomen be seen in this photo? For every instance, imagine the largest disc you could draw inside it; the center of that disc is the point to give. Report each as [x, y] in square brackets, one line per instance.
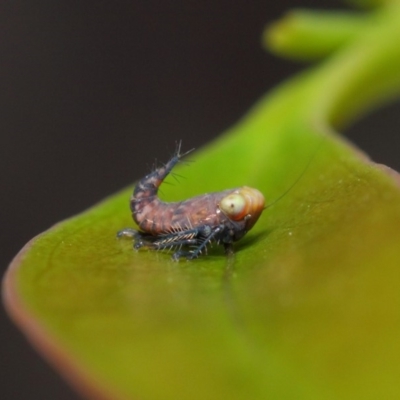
[156, 217]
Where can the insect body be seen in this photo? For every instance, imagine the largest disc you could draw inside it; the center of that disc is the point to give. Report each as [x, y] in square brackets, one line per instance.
[222, 217]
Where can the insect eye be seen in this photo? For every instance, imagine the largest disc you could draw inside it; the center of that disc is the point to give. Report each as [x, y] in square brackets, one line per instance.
[233, 205]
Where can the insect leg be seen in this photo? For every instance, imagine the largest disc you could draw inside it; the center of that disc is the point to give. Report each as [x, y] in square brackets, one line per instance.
[228, 249]
[127, 233]
[140, 239]
[176, 243]
[194, 253]
[178, 238]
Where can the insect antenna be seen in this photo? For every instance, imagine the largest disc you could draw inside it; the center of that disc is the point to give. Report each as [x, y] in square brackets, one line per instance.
[298, 178]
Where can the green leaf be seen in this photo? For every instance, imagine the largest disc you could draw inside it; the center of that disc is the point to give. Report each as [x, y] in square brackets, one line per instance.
[309, 35]
[308, 306]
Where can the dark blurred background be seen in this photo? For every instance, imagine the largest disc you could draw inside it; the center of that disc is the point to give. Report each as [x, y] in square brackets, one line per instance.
[93, 91]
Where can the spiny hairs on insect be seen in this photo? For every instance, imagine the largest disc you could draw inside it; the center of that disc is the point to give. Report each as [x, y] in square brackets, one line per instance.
[178, 153]
[178, 156]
